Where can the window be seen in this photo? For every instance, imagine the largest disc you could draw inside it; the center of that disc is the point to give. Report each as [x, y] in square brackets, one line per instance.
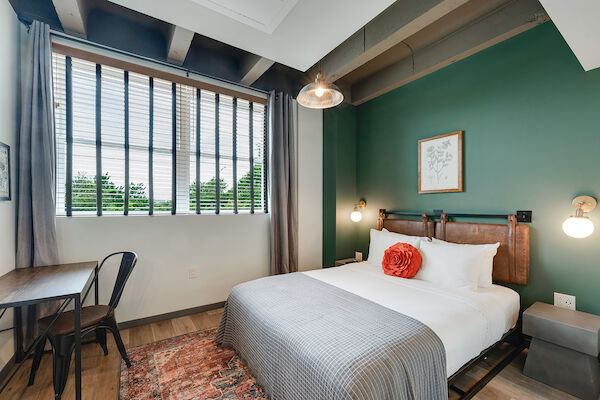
[128, 143]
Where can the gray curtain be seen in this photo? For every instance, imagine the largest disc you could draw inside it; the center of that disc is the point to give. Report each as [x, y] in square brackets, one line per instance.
[284, 200]
[36, 230]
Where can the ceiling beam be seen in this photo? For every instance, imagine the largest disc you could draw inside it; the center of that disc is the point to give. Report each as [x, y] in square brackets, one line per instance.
[500, 24]
[253, 67]
[72, 15]
[180, 40]
[395, 24]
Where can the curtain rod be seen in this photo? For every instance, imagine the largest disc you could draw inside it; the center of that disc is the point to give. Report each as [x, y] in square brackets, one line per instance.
[188, 71]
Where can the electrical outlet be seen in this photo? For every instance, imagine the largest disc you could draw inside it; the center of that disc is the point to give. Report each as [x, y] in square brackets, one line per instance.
[564, 301]
[192, 273]
[358, 256]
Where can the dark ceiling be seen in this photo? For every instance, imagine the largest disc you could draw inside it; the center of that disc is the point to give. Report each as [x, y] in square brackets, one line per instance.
[115, 26]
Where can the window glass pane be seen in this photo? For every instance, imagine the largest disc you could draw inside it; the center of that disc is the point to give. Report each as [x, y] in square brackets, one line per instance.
[139, 137]
[84, 178]
[186, 149]
[193, 150]
[207, 152]
[226, 152]
[259, 154]
[157, 167]
[162, 167]
[112, 117]
[60, 126]
[243, 155]
[84, 136]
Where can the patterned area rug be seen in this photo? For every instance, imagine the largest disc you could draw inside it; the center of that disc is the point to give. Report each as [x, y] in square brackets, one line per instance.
[185, 367]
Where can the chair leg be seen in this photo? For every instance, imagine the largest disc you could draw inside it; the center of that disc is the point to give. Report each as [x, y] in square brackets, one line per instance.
[101, 339]
[37, 358]
[63, 347]
[112, 325]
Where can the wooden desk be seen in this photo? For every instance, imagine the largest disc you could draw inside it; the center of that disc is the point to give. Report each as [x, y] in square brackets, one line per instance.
[26, 286]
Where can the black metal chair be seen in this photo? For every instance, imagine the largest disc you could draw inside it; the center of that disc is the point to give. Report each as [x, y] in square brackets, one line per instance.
[94, 319]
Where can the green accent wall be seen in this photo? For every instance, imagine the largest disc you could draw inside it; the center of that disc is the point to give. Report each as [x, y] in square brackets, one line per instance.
[339, 183]
[531, 118]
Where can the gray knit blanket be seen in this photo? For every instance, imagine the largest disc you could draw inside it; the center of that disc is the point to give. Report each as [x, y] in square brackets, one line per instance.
[305, 339]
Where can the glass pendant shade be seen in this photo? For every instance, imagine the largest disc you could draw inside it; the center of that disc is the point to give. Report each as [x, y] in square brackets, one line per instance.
[578, 227]
[320, 94]
[356, 215]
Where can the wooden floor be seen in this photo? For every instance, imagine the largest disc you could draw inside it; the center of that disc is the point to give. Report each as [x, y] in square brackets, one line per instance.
[101, 380]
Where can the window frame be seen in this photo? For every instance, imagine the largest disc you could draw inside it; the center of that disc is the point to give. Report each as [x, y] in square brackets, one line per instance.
[194, 154]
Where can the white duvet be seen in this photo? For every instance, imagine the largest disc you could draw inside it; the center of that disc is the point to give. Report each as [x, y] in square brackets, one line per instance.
[467, 322]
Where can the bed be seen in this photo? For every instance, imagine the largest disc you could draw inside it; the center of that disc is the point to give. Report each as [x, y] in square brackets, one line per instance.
[354, 332]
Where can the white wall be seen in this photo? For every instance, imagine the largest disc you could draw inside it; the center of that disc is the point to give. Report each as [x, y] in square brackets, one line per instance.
[224, 249]
[310, 188]
[9, 82]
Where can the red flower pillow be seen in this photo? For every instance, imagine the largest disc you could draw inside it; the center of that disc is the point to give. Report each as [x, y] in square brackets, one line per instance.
[402, 260]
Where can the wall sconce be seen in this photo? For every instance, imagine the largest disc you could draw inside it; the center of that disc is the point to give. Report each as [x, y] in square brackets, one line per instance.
[356, 215]
[580, 226]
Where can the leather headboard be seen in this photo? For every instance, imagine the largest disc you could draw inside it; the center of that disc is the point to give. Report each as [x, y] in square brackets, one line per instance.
[511, 263]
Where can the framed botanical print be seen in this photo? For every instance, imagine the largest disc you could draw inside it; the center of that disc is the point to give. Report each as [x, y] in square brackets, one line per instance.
[440, 163]
[4, 171]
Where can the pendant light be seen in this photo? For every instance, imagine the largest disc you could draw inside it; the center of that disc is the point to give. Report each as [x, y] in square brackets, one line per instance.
[579, 226]
[356, 215]
[320, 94]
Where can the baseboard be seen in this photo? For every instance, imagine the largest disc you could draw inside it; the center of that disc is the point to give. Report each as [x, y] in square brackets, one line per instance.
[170, 315]
[7, 368]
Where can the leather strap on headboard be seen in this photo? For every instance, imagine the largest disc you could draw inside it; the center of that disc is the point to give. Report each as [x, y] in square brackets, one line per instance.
[426, 226]
[380, 220]
[512, 247]
[442, 227]
[511, 263]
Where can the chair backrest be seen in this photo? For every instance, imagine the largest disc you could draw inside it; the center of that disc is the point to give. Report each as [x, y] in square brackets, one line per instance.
[128, 261]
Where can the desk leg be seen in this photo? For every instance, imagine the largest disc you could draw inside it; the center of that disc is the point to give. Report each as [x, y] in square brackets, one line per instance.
[77, 347]
[18, 324]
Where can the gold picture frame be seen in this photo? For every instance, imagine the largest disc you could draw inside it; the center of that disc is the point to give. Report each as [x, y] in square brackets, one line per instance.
[441, 163]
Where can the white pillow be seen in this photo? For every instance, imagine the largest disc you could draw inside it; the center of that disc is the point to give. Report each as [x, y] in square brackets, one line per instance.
[420, 237]
[488, 251]
[382, 240]
[450, 266]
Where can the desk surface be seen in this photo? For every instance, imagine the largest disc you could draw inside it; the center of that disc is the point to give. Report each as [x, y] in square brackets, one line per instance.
[31, 285]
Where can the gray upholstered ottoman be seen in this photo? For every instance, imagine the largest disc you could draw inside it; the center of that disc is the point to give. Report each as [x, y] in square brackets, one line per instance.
[564, 349]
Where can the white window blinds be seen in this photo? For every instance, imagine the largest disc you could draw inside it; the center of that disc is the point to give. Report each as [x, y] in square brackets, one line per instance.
[128, 143]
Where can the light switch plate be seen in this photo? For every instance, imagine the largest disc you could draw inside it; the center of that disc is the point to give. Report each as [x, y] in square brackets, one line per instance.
[192, 273]
[564, 301]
